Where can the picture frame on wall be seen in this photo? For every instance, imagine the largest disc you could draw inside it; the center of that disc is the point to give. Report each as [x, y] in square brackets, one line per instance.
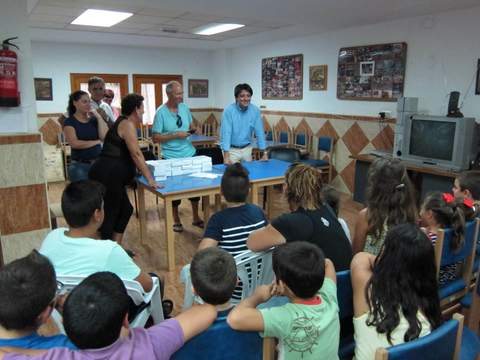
[282, 77]
[372, 72]
[198, 88]
[477, 83]
[318, 76]
[43, 89]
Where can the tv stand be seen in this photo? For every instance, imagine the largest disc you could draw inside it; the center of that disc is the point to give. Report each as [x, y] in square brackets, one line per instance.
[426, 178]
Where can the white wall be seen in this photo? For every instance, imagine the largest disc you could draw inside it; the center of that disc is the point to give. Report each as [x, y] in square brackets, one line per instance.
[58, 60]
[441, 57]
[14, 22]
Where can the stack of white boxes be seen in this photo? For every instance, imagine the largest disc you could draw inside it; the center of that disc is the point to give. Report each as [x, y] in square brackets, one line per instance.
[160, 169]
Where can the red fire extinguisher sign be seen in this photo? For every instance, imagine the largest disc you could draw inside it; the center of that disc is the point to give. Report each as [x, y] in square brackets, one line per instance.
[9, 94]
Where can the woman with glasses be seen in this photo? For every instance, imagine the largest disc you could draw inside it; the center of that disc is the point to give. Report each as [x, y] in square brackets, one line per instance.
[115, 168]
[172, 128]
[84, 131]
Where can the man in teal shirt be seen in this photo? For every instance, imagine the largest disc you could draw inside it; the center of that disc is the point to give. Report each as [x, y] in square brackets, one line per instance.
[171, 126]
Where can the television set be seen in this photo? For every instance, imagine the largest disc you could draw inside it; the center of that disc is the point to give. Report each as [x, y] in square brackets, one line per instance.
[437, 141]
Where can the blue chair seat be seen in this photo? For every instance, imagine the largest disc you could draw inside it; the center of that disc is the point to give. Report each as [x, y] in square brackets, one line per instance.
[451, 288]
[470, 345]
[347, 347]
[316, 162]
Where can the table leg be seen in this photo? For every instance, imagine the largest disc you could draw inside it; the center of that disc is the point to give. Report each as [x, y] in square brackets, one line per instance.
[218, 202]
[269, 196]
[170, 234]
[141, 214]
[206, 208]
[254, 194]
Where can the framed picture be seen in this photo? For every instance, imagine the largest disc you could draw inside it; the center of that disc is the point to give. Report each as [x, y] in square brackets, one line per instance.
[198, 88]
[282, 77]
[477, 84]
[43, 89]
[371, 72]
[318, 77]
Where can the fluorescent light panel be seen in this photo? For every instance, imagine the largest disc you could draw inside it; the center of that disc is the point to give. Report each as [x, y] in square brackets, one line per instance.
[215, 28]
[103, 18]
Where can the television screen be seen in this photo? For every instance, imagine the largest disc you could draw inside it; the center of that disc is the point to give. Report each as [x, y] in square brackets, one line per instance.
[432, 139]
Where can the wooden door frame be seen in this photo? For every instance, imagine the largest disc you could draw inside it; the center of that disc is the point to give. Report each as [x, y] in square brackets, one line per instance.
[137, 79]
[77, 78]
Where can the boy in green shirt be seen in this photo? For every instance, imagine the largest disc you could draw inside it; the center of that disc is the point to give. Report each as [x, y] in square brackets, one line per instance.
[308, 326]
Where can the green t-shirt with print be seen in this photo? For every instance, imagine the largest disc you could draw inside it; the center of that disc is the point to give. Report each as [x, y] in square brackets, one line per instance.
[306, 331]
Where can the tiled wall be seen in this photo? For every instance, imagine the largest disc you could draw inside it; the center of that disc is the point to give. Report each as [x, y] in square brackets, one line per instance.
[24, 215]
[353, 134]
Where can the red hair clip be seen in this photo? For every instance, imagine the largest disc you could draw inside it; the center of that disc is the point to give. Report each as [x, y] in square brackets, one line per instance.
[448, 198]
[468, 202]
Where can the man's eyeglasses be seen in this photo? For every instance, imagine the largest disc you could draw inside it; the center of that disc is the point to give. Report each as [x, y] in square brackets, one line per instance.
[108, 97]
[179, 121]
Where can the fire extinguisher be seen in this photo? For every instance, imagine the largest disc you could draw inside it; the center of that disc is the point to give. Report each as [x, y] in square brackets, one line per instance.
[9, 94]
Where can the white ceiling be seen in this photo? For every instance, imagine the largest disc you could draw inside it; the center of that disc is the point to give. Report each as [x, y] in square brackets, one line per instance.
[170, 22]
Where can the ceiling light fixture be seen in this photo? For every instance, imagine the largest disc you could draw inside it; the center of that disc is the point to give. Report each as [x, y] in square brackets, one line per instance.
[215, 28]
[103, 18]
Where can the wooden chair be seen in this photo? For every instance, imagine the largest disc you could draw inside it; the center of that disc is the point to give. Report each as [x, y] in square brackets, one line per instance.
[267, 129]
[303, 138]
[443, 343]
[66, 153]
[210, 126]
[451, 292]
[282, 132]
[324, 156]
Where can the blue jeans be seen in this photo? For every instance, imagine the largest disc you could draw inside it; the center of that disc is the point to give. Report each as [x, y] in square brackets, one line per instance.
[78, 171]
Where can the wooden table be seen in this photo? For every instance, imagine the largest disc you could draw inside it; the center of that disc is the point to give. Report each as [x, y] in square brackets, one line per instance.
[261, 174]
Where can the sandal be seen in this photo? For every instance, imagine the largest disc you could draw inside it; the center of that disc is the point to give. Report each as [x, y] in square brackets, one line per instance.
[178, 227]
[167, 306]
[199, 224]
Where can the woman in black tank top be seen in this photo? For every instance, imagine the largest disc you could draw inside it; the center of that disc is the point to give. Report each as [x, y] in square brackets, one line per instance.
[115, 168]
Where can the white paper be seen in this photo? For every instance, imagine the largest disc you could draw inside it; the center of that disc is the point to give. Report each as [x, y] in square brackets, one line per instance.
[205, 175]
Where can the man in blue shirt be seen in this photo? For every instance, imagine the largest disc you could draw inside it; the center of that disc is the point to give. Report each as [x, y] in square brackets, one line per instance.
[171, 127]
[239, 121]
[28, 292]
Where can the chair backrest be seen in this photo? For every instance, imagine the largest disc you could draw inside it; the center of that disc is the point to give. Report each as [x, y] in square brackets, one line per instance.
[285, 154]
[345, 294]
[444, 255]
[220, 342]
[282, 131]
[442, 343]
[152, 299]
[325, 144]
[253, 269]
[303, 136]
[210, 126]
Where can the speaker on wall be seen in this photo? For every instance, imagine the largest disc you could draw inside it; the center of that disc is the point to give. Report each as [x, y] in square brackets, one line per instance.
[453, 110]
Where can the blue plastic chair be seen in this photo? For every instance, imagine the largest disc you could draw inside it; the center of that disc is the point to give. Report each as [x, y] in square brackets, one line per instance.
[453, 291]
[220, 342]
[283, 137]
[441, 344]
[325, 145]
[345, 304]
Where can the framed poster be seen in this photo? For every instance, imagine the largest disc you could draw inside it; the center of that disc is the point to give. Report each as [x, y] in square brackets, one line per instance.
[372, 72]
[282, 77]
[198, 88]
[43, 89]
[318, 77]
